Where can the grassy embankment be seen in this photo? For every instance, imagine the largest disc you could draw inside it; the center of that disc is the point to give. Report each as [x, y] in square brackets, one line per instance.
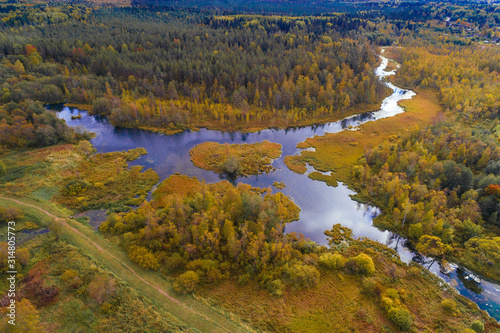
[243, 159]
[38, 179]
[72, 291]
[113, 261]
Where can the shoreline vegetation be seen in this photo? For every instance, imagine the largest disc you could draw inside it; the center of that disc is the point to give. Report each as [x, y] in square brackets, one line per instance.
[374, 162]
[279, 122]
[77, 177]
[338, 152]
[236, 159]
[251, 126]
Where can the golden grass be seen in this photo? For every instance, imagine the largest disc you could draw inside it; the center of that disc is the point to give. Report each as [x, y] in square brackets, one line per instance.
[296, 164]
[30, 170]
[85, 107]
[338, 152]
[178, 184]
[255, 158]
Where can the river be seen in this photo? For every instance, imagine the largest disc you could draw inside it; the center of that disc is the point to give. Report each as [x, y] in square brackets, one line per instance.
[321, 205]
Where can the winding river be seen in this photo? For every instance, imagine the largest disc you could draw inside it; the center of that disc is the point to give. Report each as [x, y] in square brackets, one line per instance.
[321, 205]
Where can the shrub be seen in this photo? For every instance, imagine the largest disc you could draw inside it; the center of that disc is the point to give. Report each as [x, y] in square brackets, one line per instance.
[303, 276]
[276, 287]
[187, 282]
[369, 285]
[401, 318]
[10, 214]
[23, 255]
[143, 257]
[206, 269]
[243, 279]
[332, 261]
[231, 165]
[75, 187]
[71, 278]
[449, 305]
[477, 326]
[102, 289]
[361, 264]
[468, 330]
[387, 303]
[175, 263]
[3, 169]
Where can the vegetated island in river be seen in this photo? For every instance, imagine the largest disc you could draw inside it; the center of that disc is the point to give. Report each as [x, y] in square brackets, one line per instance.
[236, 159]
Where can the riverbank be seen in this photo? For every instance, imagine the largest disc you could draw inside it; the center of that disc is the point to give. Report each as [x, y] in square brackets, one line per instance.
[339, 152]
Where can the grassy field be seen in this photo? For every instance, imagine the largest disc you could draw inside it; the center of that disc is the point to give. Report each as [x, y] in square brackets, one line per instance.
[149, 284]
[296, 164]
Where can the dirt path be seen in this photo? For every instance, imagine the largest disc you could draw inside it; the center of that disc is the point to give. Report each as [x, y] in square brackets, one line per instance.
[130, 269]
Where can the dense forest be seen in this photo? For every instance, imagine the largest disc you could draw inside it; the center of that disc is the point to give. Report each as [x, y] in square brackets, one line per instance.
[162, 254]
[169, 71]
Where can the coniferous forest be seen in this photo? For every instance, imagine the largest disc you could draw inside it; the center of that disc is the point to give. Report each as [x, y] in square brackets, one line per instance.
[170, 166]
